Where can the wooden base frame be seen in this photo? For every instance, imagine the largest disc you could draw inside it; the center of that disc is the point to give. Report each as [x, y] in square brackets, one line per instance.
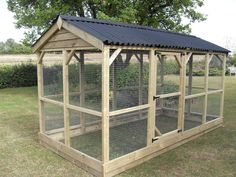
[130, 160]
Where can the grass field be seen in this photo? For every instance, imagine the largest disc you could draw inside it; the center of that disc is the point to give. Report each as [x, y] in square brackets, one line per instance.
[213, 154]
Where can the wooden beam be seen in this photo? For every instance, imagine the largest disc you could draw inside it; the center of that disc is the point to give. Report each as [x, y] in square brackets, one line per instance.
[151, 93]
[169, 95]
[40, 57]
[158, 131]
[194, 95]
[207, 61]
[223, 87]
[57, 103]
[188, 56]
[169, 53]
[84, 110]
[83, 35]
[84, 49]
[182, 91]
[105, 105]
[162, 77]
[82, 90]
[222, 60]
[182, 51]
[40, 94]
[77, 58]
[66, 99]
[178, 59]
[70, 55]
[114, 55]
[127, 110]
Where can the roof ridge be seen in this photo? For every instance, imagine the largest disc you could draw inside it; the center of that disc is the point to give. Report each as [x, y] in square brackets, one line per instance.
[122, 24]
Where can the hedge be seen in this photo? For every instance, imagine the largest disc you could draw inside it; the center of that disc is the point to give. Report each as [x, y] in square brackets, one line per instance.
[22, 75]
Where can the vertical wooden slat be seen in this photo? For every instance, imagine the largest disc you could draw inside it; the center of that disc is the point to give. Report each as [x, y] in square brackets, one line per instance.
[40, 94]
[105, 105]
[181, 112]
[223, 86]
[151, 93]
[206, 87]
[66, 99]
[82, 91]
[162, 74]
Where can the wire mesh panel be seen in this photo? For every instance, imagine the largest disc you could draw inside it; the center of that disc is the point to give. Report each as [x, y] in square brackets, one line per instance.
[87, 136]
[168, 75]
[129, 81]
[74, 118]
[195, 74]
[167, 114]
[52, 76]
[128, 133]
[215, 73]
[85, 80]
[54, 117]
[194, 109]
[213, 106]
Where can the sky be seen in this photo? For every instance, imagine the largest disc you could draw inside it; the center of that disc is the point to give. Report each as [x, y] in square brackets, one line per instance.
[219, 27]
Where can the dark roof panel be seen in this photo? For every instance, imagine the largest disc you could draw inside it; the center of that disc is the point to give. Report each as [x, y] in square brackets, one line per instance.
[113, 33]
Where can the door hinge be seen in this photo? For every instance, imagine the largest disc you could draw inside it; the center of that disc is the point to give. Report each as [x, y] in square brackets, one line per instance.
[155, 97]
[154, 139]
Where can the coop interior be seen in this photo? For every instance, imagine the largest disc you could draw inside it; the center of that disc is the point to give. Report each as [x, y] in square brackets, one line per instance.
[129, 85]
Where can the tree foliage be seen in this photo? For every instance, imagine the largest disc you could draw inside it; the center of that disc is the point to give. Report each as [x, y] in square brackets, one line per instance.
[12, 47]
[175, 15]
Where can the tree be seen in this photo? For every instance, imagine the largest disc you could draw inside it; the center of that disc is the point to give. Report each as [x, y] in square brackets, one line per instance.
[12, 47]
[37, 15]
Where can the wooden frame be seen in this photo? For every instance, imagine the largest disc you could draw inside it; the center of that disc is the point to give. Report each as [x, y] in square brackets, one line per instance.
[106, 167]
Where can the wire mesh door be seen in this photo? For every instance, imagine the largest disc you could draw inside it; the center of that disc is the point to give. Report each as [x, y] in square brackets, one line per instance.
[167, 96]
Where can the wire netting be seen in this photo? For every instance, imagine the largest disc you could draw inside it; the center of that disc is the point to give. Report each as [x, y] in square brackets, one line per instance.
[213, 106]
[54, 117]
[215, 73]
[128, 132]
[167, 114]
[129, 76]
[195, 74]
[194, 109]
[129, 81]
[85, 73]
[52, 76]
[168, 75]
[87, 136]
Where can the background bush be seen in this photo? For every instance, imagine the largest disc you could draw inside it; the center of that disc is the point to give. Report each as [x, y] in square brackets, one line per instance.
[22, 75]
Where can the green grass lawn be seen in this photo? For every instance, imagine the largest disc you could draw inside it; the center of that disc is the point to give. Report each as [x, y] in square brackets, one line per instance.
[213, 154]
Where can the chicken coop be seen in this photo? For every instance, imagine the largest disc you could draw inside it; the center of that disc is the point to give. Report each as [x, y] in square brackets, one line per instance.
[116, 95]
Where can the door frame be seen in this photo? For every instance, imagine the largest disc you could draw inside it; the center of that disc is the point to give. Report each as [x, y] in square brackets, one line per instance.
[154, 56]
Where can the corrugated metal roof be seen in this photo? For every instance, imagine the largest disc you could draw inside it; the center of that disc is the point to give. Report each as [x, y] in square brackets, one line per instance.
[113, 33]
